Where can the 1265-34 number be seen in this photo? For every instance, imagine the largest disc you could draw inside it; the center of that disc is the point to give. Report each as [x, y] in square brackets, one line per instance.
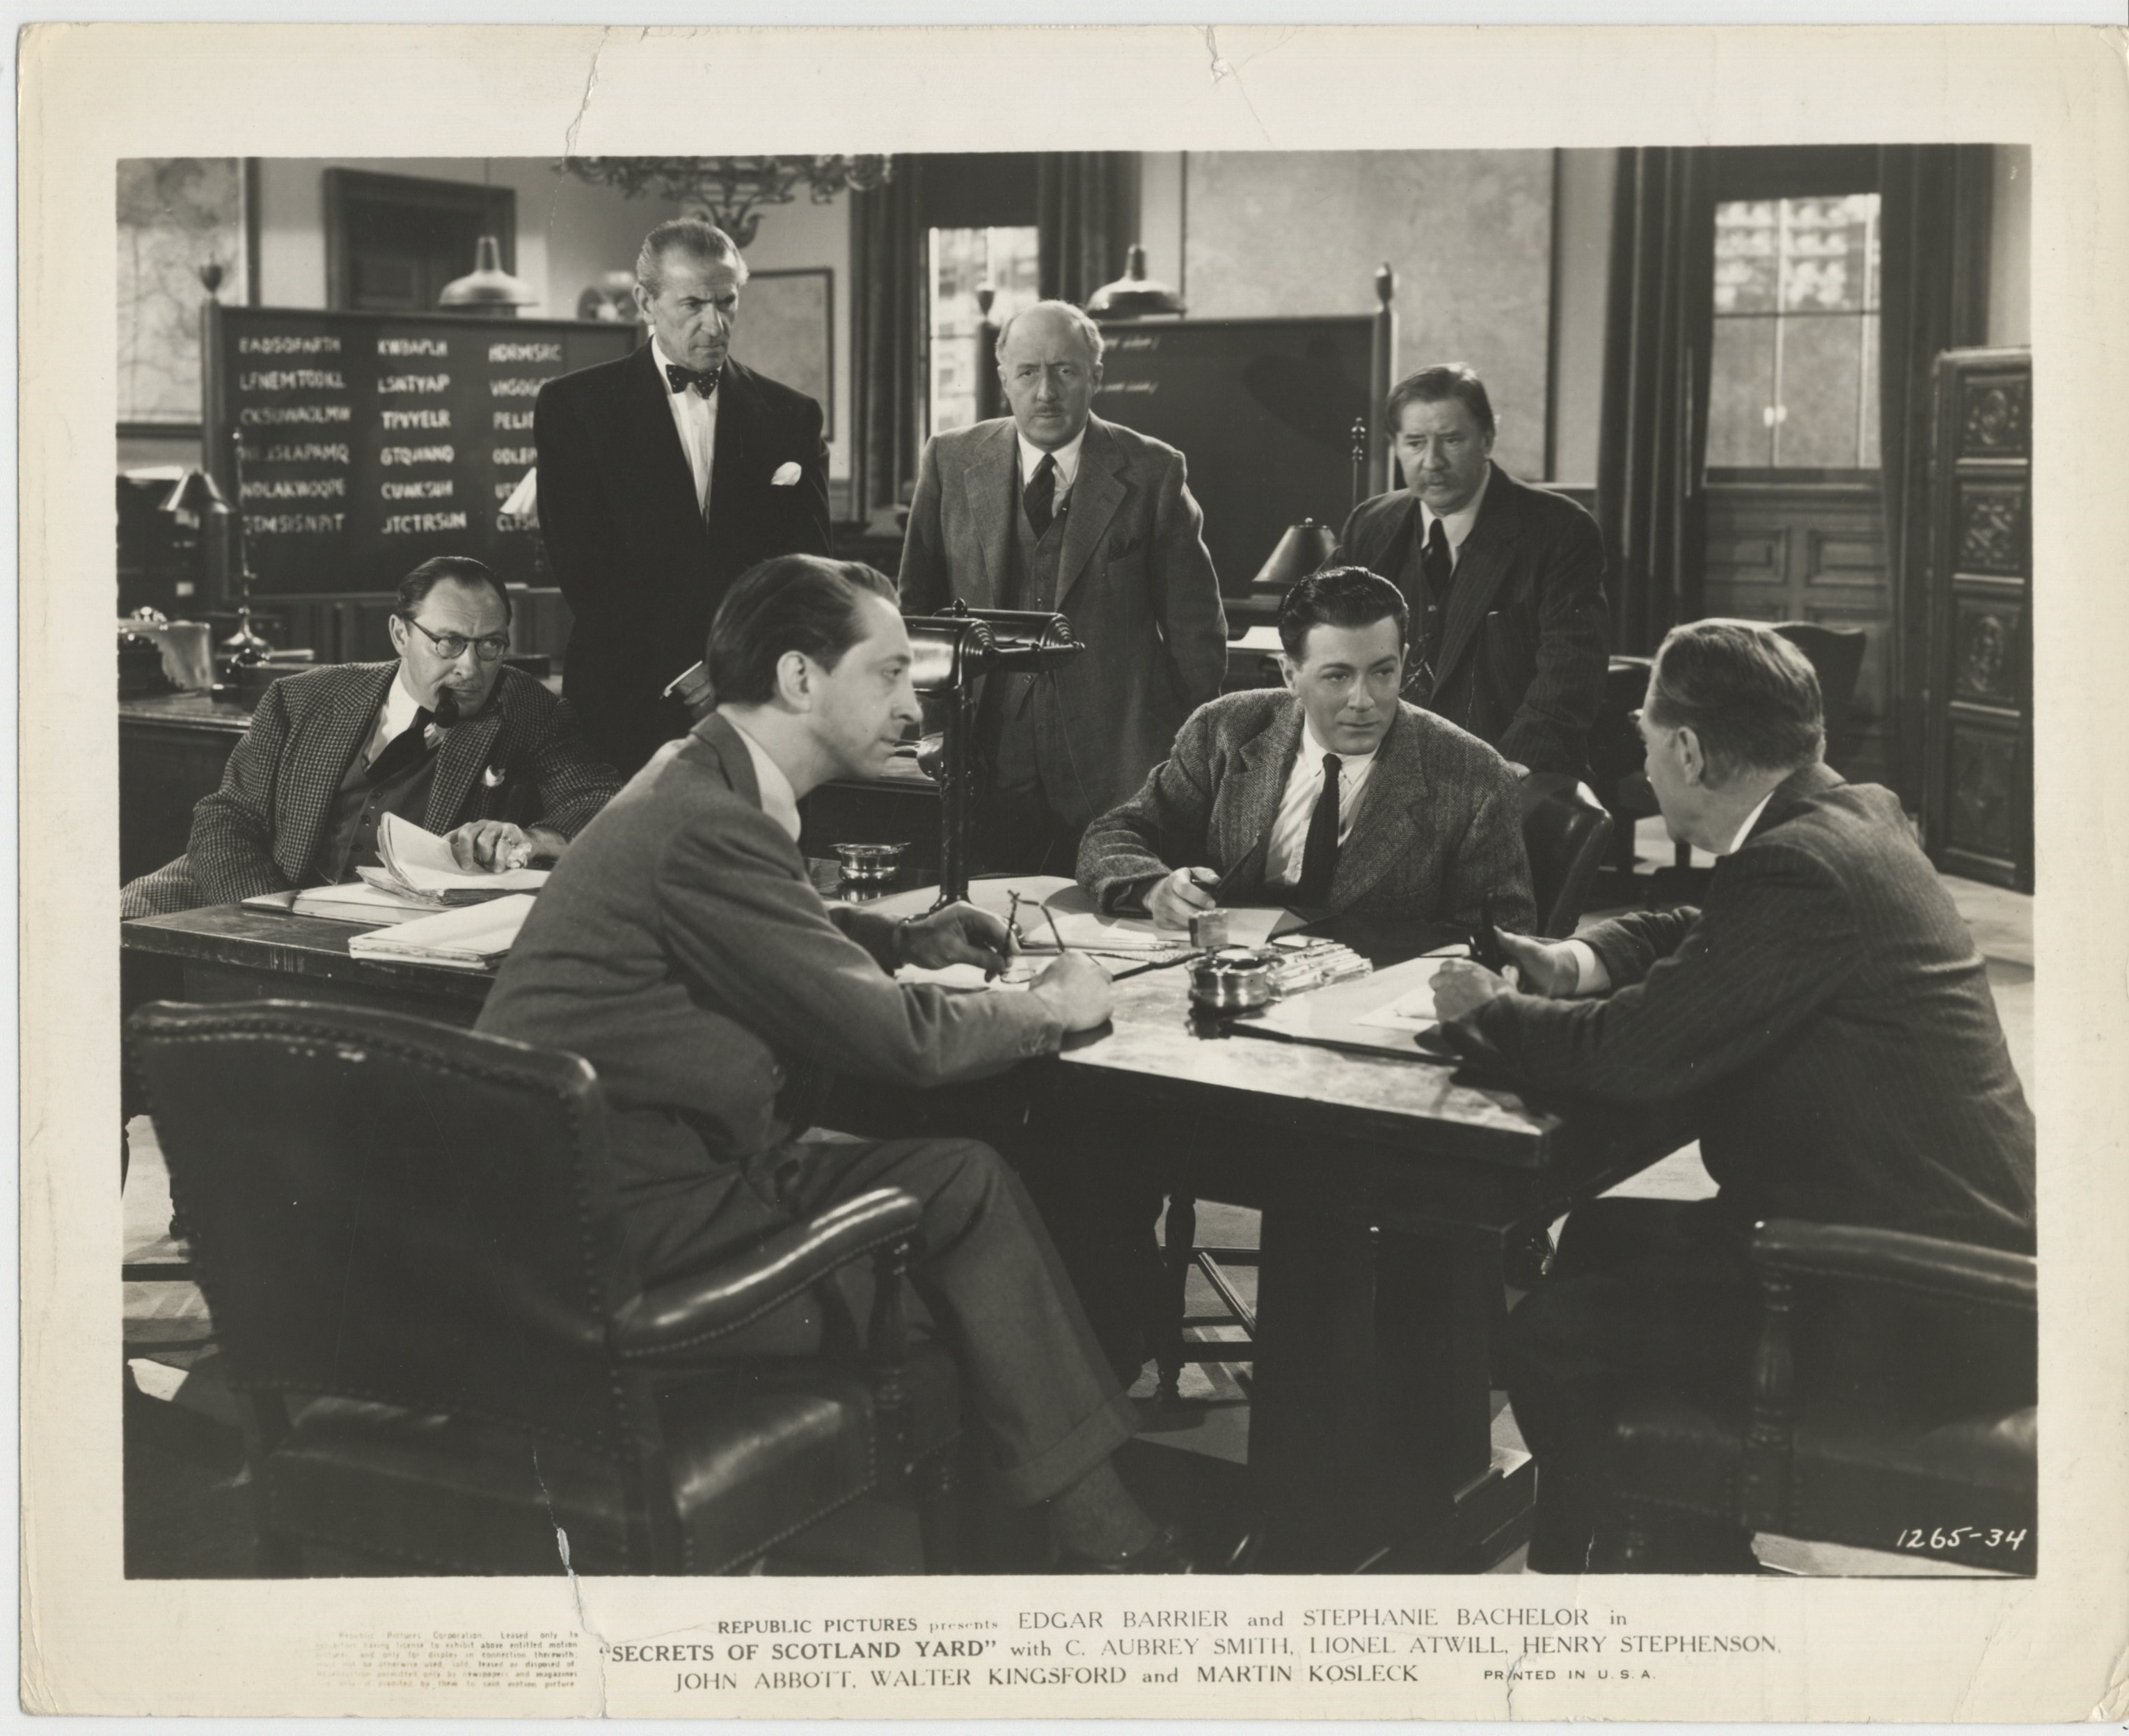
[1955, 1537]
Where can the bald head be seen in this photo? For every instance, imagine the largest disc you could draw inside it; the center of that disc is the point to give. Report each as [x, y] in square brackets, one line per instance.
[1049, 358]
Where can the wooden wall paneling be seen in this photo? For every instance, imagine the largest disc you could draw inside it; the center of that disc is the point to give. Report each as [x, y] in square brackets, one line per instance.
[348, 627]
[1811, 551]
[1978, 799]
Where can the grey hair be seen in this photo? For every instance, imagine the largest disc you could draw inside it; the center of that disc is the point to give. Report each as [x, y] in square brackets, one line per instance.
[1089, 332]
[1749, 695]
[698, 238]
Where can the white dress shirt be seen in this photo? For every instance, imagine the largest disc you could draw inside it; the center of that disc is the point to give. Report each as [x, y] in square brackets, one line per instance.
[1455, 526]
[695, 418]
[1068, 465]
[780, 801]
[393, 717]
[1586, 955]
[1297, 807]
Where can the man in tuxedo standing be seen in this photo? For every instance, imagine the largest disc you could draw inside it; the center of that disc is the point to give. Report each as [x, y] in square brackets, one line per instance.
[1505, 582]
[662, 477]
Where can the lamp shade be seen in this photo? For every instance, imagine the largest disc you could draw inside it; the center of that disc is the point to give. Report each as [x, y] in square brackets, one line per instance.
[1304, 547]
[1134, 293]
[488, 285]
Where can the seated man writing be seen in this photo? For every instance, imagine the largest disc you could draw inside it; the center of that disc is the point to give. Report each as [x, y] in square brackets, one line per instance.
[1827, 1012]
[682, 949]
[1331, 795]
[446, 736]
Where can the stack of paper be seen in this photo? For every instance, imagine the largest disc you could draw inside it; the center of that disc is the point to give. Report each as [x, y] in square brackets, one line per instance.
[416, 860]
[469, 939]
[358, 901]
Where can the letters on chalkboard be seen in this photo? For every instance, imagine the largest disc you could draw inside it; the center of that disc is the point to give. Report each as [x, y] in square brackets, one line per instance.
[373, 441]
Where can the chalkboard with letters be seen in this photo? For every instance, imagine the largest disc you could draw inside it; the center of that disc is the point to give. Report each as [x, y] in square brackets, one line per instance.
[1263, 411]
[373, 441]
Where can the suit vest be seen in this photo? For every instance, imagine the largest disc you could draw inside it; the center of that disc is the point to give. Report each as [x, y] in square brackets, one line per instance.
[360, 805]
[1032, 565]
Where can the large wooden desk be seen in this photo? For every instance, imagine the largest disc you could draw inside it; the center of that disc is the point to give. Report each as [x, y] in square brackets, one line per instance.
[1388, 1189]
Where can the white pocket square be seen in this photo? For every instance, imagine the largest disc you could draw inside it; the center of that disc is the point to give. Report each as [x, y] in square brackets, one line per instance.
[786, 475]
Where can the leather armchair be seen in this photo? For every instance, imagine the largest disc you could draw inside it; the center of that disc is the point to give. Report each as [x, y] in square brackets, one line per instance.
[407, 1240]
[1566, 831]
[1890, 1405]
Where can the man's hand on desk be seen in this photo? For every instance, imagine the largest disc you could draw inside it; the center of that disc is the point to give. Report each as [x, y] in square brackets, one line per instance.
[960, 934]
[1555, 970]
[1177, 898]
[498, 846]
[1077, 990]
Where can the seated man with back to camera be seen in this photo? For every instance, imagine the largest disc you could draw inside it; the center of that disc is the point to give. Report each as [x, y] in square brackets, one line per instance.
[683, 950]
[1331, 795]
[447, 737]
[1827, 1011]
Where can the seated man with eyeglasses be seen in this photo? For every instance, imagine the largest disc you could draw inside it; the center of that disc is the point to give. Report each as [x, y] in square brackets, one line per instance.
[447, 737]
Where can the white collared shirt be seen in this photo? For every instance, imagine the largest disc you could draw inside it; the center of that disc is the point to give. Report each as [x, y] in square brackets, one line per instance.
[1068, 464]
[1586, 955]
[1297, 807]
[1455, 526]
[393, 717]
[780, 801]
[695, 418]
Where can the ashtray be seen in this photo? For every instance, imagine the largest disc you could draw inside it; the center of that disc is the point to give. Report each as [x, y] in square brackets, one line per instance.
[870, 864]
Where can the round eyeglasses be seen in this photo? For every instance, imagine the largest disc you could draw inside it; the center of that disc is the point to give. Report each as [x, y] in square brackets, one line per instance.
[451, 646]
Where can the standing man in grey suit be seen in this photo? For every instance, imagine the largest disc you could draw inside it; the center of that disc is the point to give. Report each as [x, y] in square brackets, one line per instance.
[662, 477]
[1827, 1011]
[1057, 510]
[1332, 795]
[682, 949]
[1506, 582]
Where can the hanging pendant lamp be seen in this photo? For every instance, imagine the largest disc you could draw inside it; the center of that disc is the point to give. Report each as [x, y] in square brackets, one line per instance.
[487, 284]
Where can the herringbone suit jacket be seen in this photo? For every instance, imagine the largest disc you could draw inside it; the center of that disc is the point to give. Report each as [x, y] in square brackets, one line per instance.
[521, 757]
[1134, 578]
[1826, 1009]
[1524, 647]
[1438, 837]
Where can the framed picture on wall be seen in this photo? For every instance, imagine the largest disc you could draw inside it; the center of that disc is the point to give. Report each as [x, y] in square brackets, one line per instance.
[186, 230]
[786, 330]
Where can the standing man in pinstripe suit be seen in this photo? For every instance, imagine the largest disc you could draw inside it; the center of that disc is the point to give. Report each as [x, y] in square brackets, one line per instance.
[1827, 1011]
[1505, 582]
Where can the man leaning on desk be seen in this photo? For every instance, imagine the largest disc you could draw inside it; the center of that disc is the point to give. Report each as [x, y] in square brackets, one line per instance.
[447, 737]
[683, 950]
[1827, 1011]
[1331, 796]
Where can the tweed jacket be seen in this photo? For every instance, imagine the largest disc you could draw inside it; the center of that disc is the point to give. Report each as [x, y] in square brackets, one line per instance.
[641, 569]
[1438, 838]
[521, 757]
[681, 949]
[1827, 1010]
[1134, 578]
[1523, 648]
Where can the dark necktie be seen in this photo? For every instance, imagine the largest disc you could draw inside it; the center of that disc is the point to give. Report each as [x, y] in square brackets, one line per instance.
[1319, 855]
[1039, 498]
[680, 379]
[404, 750]
[1440, 564]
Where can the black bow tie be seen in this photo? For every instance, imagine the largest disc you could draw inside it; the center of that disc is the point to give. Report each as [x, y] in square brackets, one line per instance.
[680, 379]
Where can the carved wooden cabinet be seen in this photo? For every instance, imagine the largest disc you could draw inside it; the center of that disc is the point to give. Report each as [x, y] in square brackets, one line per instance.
[1978, 804]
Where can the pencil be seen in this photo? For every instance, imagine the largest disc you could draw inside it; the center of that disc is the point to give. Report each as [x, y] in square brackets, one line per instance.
[1050, 916]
